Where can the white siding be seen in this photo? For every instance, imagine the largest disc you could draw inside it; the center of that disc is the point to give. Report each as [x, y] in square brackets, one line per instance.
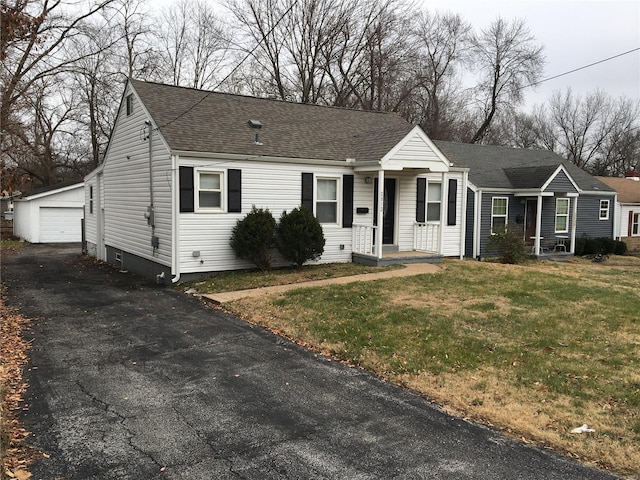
[90, 218]
[28, 212]
[415, 152]
[273, 186]
[127, 192]
[451, 234]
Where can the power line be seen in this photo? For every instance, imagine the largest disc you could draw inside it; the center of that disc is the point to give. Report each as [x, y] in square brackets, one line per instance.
[293, 4]
[581, 68]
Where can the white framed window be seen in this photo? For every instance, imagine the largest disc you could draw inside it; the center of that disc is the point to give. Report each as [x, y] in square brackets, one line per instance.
[129, 104]
[327, 195]
[604, 210]
[91, 199]
[562, 215]
[434, 201]
[210, 191]
[499, 209]
[635, 225]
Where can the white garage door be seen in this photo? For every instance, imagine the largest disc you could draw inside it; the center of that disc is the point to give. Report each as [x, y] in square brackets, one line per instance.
[60, 224]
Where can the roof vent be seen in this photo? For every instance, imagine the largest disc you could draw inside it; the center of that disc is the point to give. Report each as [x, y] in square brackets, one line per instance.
[255, 123]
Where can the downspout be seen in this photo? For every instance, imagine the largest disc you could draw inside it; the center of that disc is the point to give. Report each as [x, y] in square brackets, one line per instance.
[478, 225]
[444, 193]
[175, 213]
[151, 210]
[463, 216]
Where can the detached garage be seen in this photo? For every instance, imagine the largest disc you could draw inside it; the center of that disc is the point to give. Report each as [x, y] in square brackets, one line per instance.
[50, 216]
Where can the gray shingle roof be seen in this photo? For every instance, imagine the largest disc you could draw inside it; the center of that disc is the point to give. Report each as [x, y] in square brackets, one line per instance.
[201, 121]
[514, 168]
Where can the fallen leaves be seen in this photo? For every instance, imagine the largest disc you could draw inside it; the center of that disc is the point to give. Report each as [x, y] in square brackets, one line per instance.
[13, 359]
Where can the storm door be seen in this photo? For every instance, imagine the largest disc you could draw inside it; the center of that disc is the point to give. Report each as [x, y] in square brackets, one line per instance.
[388, 209]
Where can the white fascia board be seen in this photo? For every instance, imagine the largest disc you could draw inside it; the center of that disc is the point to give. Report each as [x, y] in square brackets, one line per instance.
[532, 193]
[554, 174]
[94, 172]
[53, 192]
[598, 193]
[185, 156]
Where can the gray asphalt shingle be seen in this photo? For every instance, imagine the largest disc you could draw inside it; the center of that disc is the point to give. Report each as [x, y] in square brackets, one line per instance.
[200, 121]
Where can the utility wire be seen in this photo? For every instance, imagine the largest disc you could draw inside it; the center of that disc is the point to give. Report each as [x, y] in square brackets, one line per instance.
[580, 68]
[293, 4]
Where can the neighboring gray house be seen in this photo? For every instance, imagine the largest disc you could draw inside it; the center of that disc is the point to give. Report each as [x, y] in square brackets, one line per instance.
[184, 165]
[553, 201]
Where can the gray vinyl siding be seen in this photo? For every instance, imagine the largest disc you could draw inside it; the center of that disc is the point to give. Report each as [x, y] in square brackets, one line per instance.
[515, 214]
[514, 209]
[589, 224]
[561, 183]
[470, 227]
[548, 224]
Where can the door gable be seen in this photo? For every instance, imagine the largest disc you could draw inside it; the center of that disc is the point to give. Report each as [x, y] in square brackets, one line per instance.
[415, 151]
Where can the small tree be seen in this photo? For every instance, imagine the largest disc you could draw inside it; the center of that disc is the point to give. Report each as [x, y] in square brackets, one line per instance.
[509, 245]
[253, 237]
[299, 236]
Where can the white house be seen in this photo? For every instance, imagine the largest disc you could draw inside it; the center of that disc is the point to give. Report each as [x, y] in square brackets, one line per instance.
[627, 219]
[184, 165]
[52, 215]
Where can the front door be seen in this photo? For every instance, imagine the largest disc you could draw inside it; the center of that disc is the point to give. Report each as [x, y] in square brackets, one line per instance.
[388, 209]
[530, 220]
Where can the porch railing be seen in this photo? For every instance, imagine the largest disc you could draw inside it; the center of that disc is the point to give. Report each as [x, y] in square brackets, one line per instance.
[426, 237]
[363, 236]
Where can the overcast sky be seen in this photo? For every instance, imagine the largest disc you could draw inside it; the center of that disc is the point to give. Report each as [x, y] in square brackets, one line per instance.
[574, 33]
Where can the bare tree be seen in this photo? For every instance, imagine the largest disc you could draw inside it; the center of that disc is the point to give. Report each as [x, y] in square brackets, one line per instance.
[442, 41]
[508, 59]
[193, 43]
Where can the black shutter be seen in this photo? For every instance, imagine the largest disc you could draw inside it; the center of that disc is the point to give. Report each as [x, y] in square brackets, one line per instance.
[451, 203]
[234, 190]
[307, 191]
[186, 189]
[420, 200]
[347, 201]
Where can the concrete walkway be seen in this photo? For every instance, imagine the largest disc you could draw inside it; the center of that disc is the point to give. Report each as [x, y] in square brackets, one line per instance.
[409, 270]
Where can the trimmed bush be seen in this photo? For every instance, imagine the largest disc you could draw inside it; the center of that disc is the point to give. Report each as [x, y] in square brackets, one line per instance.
[509, 245]
[592, 246]
[253, 237]
[620, 248]
[299, 236]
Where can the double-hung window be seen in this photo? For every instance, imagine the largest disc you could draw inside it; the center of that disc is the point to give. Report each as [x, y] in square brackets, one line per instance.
[91, 199]
[210, 191]
[434, 201]
[327, 200]
[635, 225]
[562, 215]
[499, 214]
[604, 210]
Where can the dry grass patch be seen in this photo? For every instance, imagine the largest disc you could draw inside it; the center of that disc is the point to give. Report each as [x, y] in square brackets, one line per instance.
[536, 350]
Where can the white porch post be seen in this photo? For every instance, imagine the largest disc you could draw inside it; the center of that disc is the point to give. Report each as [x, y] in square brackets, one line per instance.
[574, 225]
[380, 213]
[538, 225]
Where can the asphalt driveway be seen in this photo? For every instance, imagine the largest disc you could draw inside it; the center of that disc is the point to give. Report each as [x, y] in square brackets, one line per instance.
[130, 380]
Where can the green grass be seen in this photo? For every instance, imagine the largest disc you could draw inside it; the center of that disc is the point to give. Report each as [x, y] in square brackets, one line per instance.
[562, 340]
[243, 280]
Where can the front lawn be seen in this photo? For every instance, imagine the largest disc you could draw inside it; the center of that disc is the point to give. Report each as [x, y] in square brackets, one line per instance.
[535, 350]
